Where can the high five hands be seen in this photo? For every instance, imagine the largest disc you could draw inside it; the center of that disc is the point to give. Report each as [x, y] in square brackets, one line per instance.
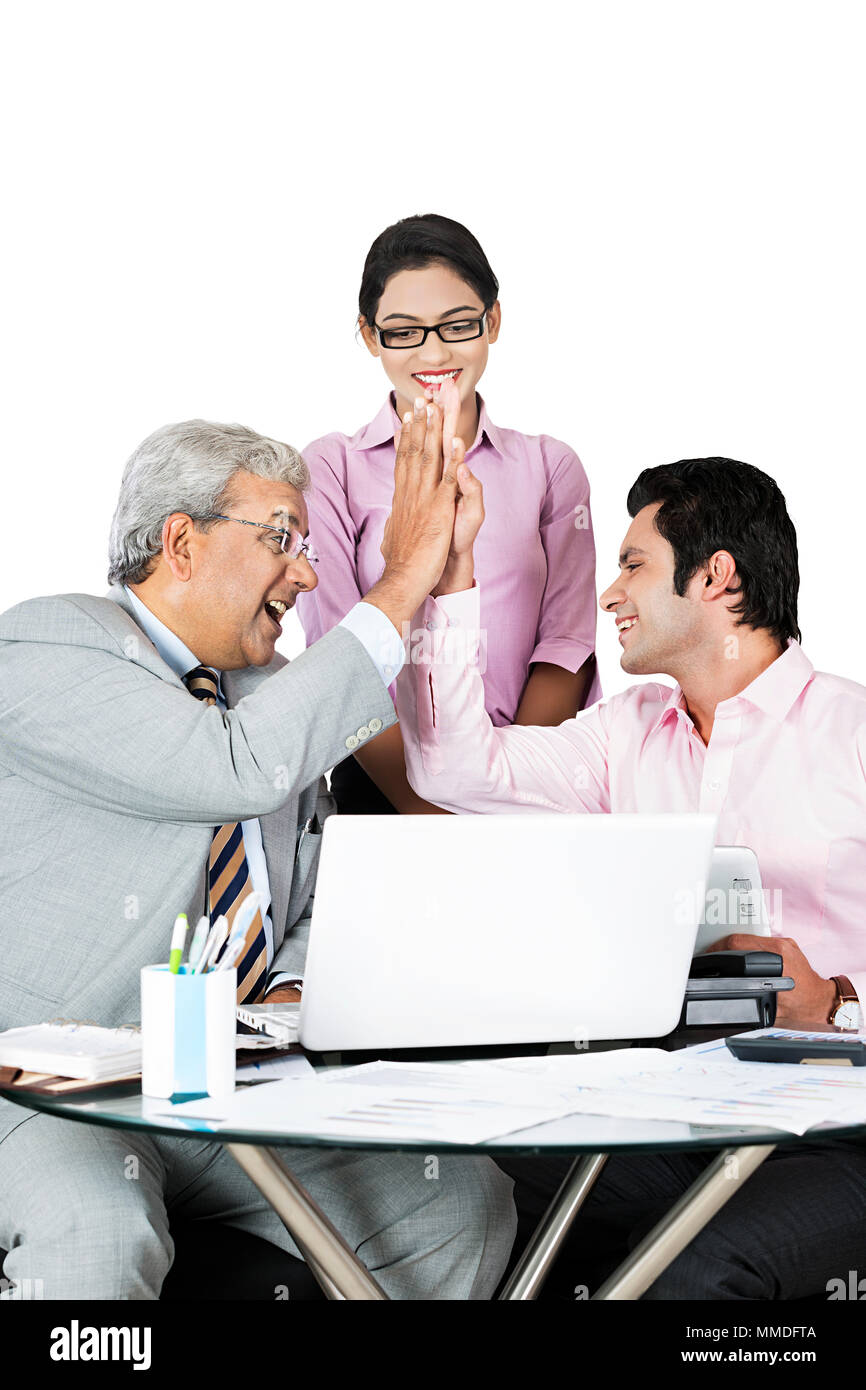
[459, 571]
[436, 513]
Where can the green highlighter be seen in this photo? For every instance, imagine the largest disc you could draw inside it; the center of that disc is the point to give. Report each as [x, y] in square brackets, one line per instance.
[178, 937]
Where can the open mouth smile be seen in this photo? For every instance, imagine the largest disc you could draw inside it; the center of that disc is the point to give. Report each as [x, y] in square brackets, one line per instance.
[275, 609]
[431, 381]
[624, 625]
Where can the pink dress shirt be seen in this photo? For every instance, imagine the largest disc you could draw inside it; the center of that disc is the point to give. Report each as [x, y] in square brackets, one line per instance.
[535, 555]
[784, 771]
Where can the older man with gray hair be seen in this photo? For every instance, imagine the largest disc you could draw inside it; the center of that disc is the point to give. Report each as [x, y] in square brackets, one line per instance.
[157, 756]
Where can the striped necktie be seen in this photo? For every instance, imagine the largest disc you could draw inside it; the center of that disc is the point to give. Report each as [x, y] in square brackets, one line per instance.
[228, 875]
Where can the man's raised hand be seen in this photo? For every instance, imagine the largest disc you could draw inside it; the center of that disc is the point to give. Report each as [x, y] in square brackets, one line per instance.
[419, 532]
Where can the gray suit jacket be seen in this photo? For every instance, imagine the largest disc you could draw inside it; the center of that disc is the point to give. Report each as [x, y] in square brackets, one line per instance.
[112, 779]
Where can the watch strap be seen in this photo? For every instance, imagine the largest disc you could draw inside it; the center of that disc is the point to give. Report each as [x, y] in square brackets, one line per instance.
[845, 994]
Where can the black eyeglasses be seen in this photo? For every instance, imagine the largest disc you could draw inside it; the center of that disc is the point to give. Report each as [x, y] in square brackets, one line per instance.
[458, 331]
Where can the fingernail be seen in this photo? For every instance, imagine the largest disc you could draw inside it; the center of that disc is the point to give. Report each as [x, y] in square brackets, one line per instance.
[429, 412]
[407, 418]
[419, 403]
[454, 446]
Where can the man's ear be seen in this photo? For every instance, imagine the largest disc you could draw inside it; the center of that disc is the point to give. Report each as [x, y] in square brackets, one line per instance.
[177, 533]
[721, 576]
[494, 321]
[371, 342]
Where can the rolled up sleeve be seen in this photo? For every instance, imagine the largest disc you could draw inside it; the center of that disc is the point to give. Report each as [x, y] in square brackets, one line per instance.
[566, 623]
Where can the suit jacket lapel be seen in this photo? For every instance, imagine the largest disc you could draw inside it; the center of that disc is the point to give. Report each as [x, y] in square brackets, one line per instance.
[143, 652]
[279, 828]
[135, 641]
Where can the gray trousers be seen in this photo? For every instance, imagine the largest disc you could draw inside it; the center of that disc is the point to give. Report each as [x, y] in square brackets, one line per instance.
[84, 1211]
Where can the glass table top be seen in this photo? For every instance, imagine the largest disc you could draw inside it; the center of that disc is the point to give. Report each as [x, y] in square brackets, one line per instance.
[122, 1106]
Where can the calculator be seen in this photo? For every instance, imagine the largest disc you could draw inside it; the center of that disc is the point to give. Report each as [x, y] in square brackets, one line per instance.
[786, 1045]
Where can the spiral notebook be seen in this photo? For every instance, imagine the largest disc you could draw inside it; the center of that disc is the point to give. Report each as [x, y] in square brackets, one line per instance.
[77, 1051]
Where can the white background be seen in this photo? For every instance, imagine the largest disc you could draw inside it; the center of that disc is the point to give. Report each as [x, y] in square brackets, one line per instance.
[670, 193]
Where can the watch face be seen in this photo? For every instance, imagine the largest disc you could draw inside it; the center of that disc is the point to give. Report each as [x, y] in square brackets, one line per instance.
[848, 1015]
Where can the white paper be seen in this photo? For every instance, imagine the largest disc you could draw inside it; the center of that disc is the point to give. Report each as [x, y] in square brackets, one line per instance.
[458, 1110]
[445, 1102]
[293, 1064]
[707, 1085]
[470, 1102]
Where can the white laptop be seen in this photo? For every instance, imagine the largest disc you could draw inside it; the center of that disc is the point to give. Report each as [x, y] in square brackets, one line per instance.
[735, 897]
[435, 931]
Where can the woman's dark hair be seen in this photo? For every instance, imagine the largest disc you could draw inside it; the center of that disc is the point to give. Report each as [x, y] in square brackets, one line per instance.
[720, 504]
[414, 242]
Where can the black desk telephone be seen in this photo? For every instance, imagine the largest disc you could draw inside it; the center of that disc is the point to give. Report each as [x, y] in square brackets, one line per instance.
[736, 988]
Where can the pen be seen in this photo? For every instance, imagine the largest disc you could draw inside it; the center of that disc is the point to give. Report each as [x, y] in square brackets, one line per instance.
[232, 955]
[245, 914]
[177, 939]
[306, 828]
[196, 950]
[217, 935]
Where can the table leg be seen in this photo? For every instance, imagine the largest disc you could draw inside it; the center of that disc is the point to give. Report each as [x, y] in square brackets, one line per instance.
[686, 1218]
[324, 1281]
[536, 1261]
[334, 1264]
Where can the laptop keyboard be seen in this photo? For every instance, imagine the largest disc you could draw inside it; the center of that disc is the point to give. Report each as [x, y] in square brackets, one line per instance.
[280, 1024]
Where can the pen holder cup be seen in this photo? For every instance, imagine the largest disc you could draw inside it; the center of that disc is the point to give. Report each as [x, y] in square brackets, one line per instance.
[188, 1032]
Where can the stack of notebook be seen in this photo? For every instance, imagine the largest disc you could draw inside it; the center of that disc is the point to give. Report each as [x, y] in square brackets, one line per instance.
[66, 1056]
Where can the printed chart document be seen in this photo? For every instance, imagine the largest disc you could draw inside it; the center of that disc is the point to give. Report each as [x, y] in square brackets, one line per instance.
[470, 1102]
[445, 1102]
[706, 1085]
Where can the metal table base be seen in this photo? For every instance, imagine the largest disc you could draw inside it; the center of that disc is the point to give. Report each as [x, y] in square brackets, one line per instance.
[686, 1218]
[342, 1275]
[537, 1259]
[335, 1265]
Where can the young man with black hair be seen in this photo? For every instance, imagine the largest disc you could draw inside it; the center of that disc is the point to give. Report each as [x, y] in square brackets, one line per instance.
[706, 594]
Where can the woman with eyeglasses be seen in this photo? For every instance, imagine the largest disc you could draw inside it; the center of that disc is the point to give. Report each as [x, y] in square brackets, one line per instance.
[429, 310]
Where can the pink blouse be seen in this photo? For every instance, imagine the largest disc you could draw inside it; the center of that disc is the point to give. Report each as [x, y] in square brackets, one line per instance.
[534, 556]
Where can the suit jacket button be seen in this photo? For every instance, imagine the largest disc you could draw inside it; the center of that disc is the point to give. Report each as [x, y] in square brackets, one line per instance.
[352, 741]
[375, 725]
[363, 732]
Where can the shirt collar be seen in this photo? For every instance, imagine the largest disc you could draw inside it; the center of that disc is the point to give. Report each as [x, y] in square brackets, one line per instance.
[776, 689]
[383, 428]
[173, 651]
[773, 692]
[673, 706]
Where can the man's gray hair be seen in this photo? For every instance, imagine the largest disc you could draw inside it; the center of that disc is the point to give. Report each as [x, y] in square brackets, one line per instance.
[187, 468]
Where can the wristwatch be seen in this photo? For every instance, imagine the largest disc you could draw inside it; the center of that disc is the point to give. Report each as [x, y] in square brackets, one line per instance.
[845, 1011]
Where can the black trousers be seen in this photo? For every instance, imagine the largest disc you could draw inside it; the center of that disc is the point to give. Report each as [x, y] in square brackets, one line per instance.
[798, 1222]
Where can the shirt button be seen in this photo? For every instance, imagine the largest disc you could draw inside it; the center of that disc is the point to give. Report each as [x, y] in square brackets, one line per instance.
[452, 622]
[375, 726]
[352, 741]
[430, 625]
[389, 671]
[713, 786]
[363, 732]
